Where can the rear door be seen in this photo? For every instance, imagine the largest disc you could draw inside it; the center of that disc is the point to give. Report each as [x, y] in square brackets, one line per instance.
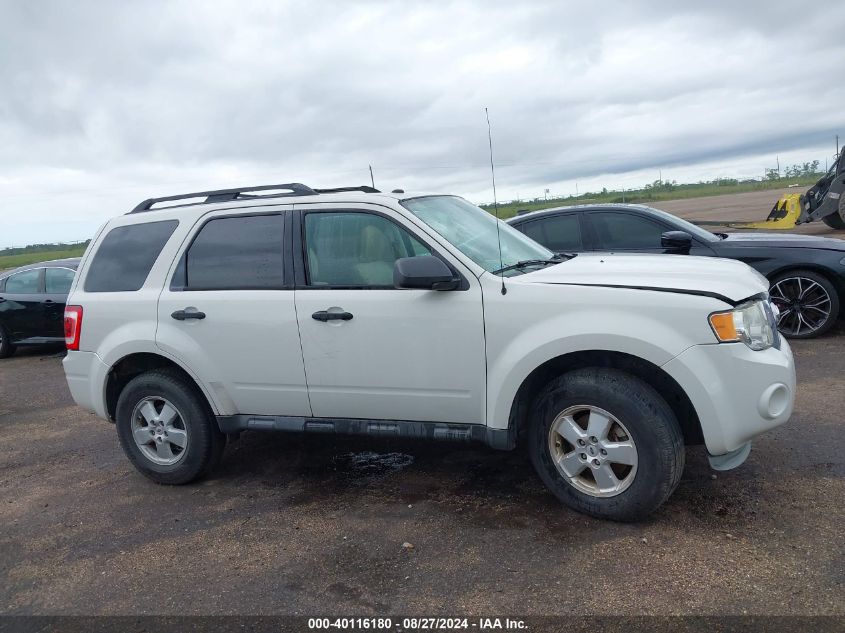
[21, 310]
[231, 271]
[384, 353]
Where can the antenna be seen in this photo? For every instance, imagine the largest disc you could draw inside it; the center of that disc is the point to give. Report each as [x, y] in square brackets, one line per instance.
[495, 201]
[372, 180]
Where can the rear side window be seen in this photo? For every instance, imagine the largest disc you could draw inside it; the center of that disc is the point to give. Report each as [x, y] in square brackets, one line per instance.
[126, 255]
[239, 253]
[58, 280]
[558, 233]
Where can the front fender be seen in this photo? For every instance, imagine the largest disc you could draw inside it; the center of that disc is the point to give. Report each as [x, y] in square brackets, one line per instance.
[638, 325]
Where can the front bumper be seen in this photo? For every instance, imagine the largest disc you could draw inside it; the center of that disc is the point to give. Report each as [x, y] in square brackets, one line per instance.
[738, 393]
[86, 378]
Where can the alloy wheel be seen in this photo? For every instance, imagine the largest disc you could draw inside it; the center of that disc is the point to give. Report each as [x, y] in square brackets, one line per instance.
[803, 303]
[159, 431]
[593, 450]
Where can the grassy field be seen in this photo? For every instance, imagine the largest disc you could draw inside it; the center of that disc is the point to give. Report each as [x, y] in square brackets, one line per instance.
[658, 191]
[22, 259]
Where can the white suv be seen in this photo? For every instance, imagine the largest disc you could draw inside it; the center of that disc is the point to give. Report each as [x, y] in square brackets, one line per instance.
[349, 310]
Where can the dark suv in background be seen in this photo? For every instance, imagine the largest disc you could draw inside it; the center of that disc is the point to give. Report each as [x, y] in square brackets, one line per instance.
[32, 303]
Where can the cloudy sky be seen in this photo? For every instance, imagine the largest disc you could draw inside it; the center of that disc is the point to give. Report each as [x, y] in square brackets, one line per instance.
[106, 103]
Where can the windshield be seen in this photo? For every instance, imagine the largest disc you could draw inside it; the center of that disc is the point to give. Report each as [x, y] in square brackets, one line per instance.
[689, 227]
[473, 232]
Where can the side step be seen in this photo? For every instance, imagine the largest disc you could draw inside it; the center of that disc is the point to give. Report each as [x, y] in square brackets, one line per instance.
[495, 438]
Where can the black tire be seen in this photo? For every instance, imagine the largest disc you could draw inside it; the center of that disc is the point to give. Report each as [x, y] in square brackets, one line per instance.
[6, 347]
[837, 220]
[786, 323]
[205, 441]
[649, 421]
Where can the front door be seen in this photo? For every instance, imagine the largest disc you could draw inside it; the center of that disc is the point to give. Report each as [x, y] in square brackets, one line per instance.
[228, 314]
[372, 351]
[21, 308]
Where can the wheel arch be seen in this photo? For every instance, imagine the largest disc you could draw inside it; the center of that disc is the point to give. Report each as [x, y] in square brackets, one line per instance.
[645, 370]
[137, 363]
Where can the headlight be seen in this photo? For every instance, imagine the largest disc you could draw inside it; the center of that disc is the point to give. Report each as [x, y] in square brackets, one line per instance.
[748, 323]
[842, 261]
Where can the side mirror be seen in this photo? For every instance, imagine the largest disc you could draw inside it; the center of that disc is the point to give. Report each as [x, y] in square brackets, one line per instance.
[678, 242]
[426, 272]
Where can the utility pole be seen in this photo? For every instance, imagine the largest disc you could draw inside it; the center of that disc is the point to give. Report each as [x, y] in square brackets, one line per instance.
[660, 175]
[576, 188]
[777, 158]
[372, 180]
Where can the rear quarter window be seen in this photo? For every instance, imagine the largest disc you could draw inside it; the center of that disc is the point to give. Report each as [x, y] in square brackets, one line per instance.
[126, 255]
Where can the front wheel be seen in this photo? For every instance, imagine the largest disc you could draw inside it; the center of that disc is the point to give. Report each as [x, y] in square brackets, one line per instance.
[166, 429]
[808, 303]
[606, 444]
[837, 220]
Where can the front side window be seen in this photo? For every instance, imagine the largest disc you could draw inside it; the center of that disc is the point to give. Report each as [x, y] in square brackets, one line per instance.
[473, 231]
[683, 225]
[237, 253]
[58, 280]
[355, 249]
[24, 283]
[126, 256]
[626, 231]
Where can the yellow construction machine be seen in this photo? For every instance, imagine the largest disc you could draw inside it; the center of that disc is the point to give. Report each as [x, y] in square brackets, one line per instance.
[824, 201]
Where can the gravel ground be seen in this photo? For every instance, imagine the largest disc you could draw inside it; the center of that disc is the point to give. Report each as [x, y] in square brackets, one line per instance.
[294, 525]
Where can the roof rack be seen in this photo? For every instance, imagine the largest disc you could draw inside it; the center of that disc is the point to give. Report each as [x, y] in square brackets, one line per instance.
[241, 193]
[363, 188]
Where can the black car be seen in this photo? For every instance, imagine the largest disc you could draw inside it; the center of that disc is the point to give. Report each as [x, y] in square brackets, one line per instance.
[807, 273]
[32, 303]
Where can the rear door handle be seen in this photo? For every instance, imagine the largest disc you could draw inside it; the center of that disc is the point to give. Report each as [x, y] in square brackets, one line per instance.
[181, 315]
[324, 316]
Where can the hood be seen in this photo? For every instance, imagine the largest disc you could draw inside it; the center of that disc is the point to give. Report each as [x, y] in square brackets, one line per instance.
[725, 279]
[789, 240]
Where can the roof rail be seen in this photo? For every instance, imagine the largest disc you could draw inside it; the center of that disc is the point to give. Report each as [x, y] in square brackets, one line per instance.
[363, 188]
[222, 195]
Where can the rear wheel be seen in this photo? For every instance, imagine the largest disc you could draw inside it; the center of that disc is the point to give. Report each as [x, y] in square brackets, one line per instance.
[6, 347]
[808, 303]
[606, 444]
[837, 220]
[166, 428]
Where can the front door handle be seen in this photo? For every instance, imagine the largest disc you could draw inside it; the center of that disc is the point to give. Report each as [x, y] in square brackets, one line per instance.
[181, 315]
[324, 316]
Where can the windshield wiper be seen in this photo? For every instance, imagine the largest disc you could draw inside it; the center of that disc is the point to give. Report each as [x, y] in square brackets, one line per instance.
[524, 263]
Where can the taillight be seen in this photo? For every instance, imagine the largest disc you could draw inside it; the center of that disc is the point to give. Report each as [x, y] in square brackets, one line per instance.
[73, 326]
